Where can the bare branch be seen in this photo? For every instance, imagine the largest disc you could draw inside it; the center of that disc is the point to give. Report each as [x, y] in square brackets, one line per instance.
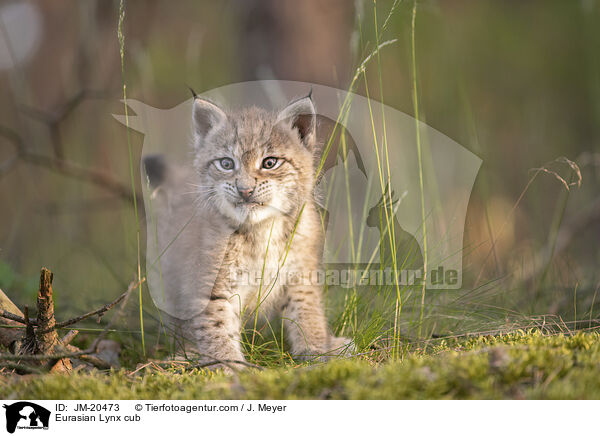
[17, 318]
[43, 357]
[22, 368]
[67, 168]
[99, 311]
[8, 165]
[76, 171]
[54, 119]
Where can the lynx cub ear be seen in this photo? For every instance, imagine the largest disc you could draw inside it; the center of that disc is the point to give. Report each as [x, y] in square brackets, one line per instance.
[207, 116]
[301, 116]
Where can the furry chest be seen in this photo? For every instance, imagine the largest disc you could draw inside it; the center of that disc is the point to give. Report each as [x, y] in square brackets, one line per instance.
[259, 276]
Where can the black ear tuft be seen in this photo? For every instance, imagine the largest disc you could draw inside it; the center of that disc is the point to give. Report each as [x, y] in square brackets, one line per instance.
[193, 92]
[156, 169]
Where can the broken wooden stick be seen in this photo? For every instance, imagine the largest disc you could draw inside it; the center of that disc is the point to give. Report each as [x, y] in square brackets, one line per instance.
[69, 337]
[42, 345]
[45, 334]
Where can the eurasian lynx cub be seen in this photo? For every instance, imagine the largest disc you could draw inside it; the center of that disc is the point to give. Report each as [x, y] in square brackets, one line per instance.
[254, 176]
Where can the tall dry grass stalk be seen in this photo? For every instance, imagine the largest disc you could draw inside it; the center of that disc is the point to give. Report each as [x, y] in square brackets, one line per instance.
[121, 37]
[415, 95]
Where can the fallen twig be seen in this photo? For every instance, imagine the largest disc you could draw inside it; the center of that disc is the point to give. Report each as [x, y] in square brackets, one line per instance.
[69, 337]
[22, 368]
[47, 349]
[101, 310]
[17, 318]
[43, 357]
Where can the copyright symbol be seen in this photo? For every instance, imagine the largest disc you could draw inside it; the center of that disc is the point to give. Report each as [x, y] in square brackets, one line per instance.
[138, 407]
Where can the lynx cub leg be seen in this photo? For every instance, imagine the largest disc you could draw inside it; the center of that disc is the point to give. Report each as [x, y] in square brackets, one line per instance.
[215, 336]
[306, 326]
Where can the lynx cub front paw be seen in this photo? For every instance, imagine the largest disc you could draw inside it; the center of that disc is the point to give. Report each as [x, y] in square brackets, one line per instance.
[341, 346]
[336, 347]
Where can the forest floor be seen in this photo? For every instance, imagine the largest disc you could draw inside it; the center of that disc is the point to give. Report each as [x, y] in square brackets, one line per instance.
[521, 365]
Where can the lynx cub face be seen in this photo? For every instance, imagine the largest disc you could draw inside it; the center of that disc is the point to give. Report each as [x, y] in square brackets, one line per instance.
[254, 165]
[253, 176]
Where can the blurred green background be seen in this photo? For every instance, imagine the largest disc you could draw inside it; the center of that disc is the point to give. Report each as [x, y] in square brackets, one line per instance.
[516, 82]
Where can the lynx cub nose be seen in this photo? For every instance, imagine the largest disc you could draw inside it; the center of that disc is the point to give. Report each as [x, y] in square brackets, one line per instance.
[245, 193]
[245, 187]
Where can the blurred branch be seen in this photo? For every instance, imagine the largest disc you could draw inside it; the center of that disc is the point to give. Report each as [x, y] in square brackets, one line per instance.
[64, 110]
[17, 142]
[65, 167]
[54, 119]
[8, 165]
[71, 169]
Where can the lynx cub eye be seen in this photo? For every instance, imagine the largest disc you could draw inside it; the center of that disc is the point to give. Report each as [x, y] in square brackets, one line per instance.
[225, 164]
[271, 162]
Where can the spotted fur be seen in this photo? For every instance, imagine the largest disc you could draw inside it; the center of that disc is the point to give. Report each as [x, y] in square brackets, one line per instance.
[269, 222]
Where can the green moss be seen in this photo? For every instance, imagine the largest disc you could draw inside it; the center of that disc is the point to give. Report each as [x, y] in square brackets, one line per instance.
[520, 365]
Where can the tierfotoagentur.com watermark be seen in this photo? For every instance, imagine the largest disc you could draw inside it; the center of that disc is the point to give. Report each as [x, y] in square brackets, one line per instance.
[374, 195]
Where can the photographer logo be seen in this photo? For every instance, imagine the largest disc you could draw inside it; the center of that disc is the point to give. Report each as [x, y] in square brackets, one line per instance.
[26, 415]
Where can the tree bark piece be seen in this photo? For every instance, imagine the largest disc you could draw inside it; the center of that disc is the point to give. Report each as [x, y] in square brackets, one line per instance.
[46, 335]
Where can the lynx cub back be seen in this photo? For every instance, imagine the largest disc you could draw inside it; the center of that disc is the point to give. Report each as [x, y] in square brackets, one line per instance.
[253, 235]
